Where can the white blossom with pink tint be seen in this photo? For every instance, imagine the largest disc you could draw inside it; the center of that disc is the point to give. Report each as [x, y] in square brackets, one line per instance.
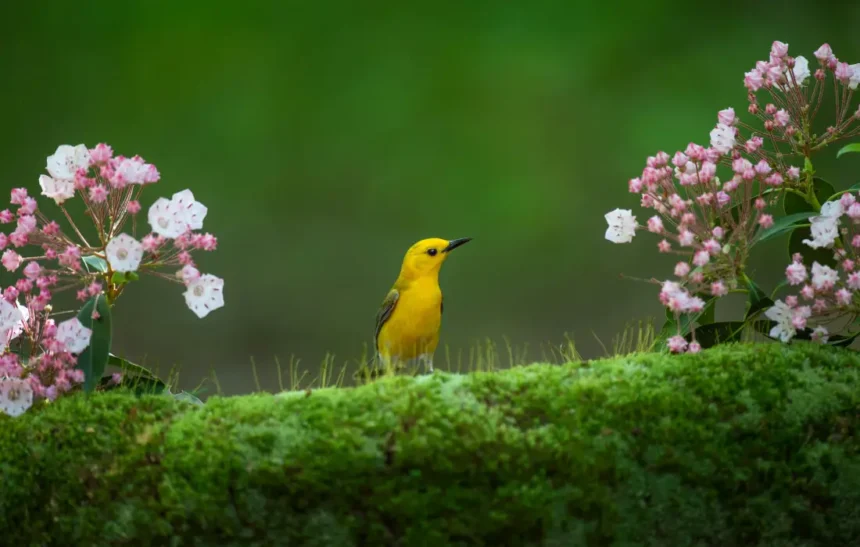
[723, 138]
[191, 211]
[124, 253]
[165, 219]
[825, 225]
[16, 396]
[66, 161]
[205, 294]
[781, 314]
[58, 190]
[823, 277]
[188, 273]
[622, 226]
[801, 70]
[12, 317]
[820, 334]
[796, 273]
[854, 79]
[73, 335]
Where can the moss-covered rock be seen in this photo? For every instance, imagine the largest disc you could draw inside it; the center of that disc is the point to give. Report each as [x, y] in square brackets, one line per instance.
[742, 445]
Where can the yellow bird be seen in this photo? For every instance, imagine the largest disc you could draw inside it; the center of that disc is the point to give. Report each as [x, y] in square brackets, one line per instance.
[407, 324]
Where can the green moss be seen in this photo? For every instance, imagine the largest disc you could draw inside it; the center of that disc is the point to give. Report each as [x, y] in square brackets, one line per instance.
[740, 445]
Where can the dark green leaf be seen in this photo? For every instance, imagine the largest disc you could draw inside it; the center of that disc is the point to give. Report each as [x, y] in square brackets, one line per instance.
[853, 147]
[792, 203]
[93, 359]
[780, 285]
[763, 326]
[96, 263]
[796, 245]
[781, 226]
[139, 378]
[118, 278]
[128, 367]
[718, 333]
[132, 276]
[758, 300]
[707, 315]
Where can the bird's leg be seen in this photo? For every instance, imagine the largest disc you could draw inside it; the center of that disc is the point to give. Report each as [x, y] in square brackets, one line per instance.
[427, 360]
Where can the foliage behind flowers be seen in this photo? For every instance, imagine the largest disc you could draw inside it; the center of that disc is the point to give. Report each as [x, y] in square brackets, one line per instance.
[41, 358]
[770, 188]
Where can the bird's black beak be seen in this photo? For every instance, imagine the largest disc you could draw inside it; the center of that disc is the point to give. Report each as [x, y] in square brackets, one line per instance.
[454, 243]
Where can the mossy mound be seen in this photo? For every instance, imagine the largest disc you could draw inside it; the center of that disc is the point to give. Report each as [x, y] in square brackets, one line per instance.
[740, 445]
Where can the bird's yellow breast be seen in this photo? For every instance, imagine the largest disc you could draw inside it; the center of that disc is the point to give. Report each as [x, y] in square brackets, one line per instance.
[413, 328]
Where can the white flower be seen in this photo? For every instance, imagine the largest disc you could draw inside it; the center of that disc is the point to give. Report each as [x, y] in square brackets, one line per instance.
[15, 330]
[723, 138]
[205, 294]
[16, 396]
[74, 336]
[58, 190]
[820, 334]
[825, 226]
[191, 212]
[124, 253]
[132, 170]
[823, 277]
[164, 218]
[622, 226]
[10, 317]
[801, 69]
[781, 314]
[855, 76]
[67, 160]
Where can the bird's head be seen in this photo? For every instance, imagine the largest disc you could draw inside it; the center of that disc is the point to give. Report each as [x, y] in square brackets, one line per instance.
[426, 256]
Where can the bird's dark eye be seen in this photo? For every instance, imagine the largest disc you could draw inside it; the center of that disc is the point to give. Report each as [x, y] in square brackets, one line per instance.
[431, 252]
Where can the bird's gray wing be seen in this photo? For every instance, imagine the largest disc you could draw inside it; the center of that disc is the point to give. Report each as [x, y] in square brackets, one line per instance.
[384, 313]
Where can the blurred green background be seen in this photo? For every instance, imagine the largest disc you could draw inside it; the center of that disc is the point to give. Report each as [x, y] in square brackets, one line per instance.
[327, 137]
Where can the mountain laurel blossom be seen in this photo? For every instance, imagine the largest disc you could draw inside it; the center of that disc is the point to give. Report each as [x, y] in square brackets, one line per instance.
[39, 356]
[713, 203]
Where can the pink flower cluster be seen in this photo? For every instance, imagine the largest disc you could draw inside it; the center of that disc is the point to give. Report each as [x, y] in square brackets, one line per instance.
[713, 223]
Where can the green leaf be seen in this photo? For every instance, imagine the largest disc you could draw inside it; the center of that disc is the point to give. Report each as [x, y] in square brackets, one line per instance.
[792, 203]
[118, 278]
[758, 299]
[96, 263]
[718, 333]
[835, 340]
[708, 314]
[854, 188]
[93, 359]
[139, 378]
[853, 147]
[185, 396]
[780, 285]
[131, 276]
[781, 226]
[796, 245]
[128, 367]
